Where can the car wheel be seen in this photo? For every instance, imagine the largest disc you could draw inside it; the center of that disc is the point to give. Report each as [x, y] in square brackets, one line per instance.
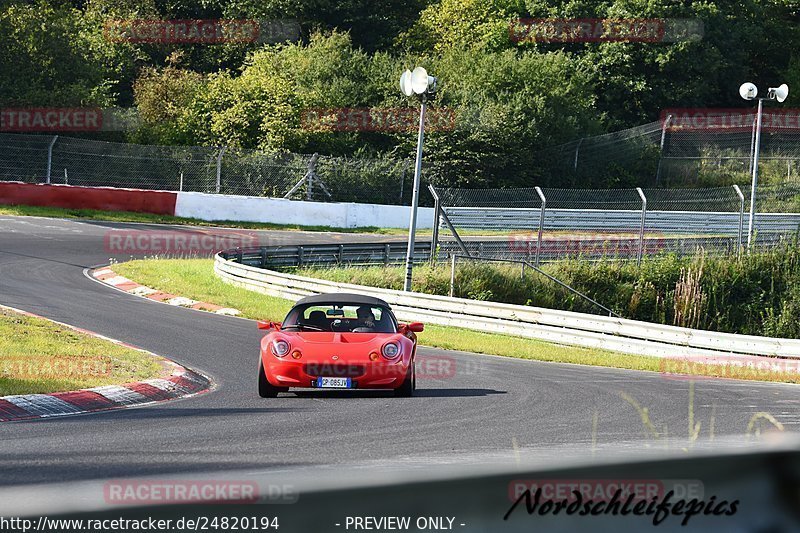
[409, 384]
[265, 388]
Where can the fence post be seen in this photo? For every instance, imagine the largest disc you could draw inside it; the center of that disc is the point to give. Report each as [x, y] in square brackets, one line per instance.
[403, 182]
[50, 158]
[752, 147]
[661, 147]
[437, 206]
[386, 252]
[541, 225]
[66, 178]
[219, 168]
[452, 275]
[641, 228]
[577, 151]
[180, 183]
[741, 216]
[312, 170]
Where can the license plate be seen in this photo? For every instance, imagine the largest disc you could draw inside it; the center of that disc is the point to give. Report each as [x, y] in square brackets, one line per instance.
[334, 383]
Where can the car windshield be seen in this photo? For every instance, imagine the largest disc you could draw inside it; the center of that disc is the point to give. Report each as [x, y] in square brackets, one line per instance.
[341, 317]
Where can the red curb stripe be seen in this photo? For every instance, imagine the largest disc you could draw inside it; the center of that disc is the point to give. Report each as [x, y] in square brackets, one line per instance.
[151, 393]
[161, 296]
[85, 400]
[9, 411]
[186, 383]
[206, 307]
[126, 286]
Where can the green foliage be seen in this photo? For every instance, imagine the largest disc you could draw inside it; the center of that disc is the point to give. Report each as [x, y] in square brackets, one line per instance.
[451, 24]
[511, 99]
[54, 55]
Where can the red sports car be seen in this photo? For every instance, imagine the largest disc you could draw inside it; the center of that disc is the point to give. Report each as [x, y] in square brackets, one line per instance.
[338, 341]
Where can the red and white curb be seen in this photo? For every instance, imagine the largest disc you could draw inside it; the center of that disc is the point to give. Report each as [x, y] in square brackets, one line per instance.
[177, 382]
[109, 277]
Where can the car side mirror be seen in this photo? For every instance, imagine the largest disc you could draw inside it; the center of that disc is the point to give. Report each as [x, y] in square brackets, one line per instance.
[268, 324]
[416, 327]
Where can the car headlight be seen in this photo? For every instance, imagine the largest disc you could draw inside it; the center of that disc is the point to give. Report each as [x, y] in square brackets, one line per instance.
[390, 350]
[280, 348]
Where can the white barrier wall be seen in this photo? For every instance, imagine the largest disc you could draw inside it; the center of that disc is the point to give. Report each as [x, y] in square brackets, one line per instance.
[218, 207]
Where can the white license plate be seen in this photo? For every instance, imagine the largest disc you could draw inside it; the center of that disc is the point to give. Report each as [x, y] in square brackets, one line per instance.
[334, 383]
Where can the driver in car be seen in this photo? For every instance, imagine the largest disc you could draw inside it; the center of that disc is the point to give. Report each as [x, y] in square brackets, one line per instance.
[365, 317]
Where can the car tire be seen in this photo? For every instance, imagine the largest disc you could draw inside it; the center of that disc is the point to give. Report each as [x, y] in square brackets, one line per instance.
[265, 388]
[406, 390]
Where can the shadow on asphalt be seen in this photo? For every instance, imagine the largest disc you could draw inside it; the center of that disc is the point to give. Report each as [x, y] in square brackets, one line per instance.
[419, 393]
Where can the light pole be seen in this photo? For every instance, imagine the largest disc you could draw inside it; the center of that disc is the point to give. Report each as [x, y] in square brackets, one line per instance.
[749, 91]
[417, 82]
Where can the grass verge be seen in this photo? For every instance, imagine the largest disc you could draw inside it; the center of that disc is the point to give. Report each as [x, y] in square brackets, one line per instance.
[40, 356]
[194, 278]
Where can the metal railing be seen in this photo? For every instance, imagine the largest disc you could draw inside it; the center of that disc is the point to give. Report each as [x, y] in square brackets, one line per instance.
[539, 224]
[327, 254]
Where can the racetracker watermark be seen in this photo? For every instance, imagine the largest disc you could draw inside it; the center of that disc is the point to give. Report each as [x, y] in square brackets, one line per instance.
[437, 367]
[590, 245]
[65, 119]
[724, 120]
[563, 30]
[208, 31]
[152, 492]
[657, 499]
[62, 366]
[443, 367]
[177, 242]
[373, 119]
[694, 367]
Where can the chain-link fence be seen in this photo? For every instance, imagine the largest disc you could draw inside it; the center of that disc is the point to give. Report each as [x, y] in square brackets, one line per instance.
[74, 161]
[542, 224]
[682, 152]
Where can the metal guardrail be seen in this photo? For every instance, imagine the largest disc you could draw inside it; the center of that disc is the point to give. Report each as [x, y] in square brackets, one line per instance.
[592, 248]
[563, 327]
[328, 254]
[668, 222]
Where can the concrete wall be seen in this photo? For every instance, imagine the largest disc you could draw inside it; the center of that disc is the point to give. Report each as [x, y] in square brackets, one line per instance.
[216, 207]
[102, 198]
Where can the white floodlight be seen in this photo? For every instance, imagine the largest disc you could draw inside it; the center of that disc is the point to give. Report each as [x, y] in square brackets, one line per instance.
[421, 82]
[779, 93]
[405, 83]
[748, 91]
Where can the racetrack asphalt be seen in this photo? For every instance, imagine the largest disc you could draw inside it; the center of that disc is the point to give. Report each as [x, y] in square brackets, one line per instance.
[488, 407]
